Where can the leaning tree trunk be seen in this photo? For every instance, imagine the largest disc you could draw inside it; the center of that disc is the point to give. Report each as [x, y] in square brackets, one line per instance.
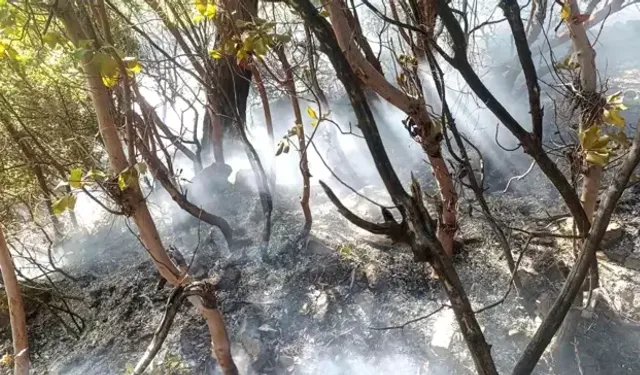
[429, 137]
[132, 199]
[16, 310]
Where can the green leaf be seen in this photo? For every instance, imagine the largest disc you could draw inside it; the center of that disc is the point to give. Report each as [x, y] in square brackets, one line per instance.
[198, 18]
[95, 174]
[51, 38]
[75, 178]
[141, 167]
[312, 113]
[67, 202]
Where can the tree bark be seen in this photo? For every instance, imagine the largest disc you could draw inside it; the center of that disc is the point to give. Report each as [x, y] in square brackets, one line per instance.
[573, 285]
[17, 317]
[420, 232]
[268, 120]
[429, 137]
[230, 82]
[290, 85]
[138, 208]
[530, 144]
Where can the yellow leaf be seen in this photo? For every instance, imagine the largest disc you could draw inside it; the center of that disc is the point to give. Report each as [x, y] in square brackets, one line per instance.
[215, 54]
[201, 5]
[132, 64]
[7, 360]
[210, 11]
[615, 98]
[312, 113]
[600, 143]
[612, 117]
[314, 123]
[109, 81]
[598, 158]
[565, 13]
[588, 137]
[197, 18]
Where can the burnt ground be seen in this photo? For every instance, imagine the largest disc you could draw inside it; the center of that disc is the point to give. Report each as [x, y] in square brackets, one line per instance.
[313, 310]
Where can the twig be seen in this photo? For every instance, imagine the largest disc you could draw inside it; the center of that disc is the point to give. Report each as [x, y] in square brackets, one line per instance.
[171, 309]
[403, 325]
[536, 233]
[510, 283]
[520, 177]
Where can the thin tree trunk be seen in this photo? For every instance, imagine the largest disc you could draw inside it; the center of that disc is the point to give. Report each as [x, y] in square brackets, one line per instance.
[137, 206]
[417, 110]
[328, 133]
[19, 139]
[419, 230]
[230, 81]
[16, 310]
[589, 116]
[264, 98]
[573, 286]
[302, 143]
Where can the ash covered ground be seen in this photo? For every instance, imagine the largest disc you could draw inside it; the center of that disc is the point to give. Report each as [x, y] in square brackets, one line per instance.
[315, 309]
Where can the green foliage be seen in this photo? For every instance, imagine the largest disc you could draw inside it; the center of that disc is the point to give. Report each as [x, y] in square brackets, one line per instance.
[67, 202]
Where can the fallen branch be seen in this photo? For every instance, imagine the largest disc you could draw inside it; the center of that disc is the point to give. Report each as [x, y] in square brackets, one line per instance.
[202, 289]
[174, 302]
[389, 228]
[403, 325]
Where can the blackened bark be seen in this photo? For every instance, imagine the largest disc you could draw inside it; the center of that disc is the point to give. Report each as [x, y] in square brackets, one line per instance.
[160, 173]
[512, 13]
[530, 144]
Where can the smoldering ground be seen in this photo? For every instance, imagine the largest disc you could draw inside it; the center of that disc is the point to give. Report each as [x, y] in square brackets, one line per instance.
[313, 310]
